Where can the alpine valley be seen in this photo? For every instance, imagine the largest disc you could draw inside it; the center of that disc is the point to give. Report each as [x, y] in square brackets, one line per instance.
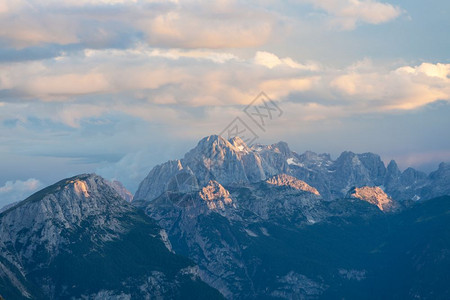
[236, 222]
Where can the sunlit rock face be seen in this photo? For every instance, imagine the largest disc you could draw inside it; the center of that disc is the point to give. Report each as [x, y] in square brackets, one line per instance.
[286, 180]
[373, 195]
[215, 195]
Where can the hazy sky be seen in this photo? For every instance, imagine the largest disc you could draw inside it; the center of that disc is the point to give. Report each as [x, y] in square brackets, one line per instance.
[117, 86]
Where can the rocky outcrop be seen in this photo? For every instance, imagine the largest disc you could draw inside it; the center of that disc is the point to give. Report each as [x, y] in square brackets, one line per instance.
[215, 195]
[373, 195]
[289, 181]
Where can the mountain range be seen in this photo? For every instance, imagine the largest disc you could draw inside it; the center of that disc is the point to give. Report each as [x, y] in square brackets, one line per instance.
[234, 163]
[266, 222]
[236, 222]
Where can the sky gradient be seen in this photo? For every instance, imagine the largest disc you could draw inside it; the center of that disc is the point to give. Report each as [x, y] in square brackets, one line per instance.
[116, 87]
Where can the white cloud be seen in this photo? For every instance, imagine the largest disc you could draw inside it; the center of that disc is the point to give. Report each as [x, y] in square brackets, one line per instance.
[129, 170]
[203, 78]
[13, 191]
[404, 88]
[346, 14]
[101, 23]
[185, 27]
[154, 85]
[271, 61]
[279, 88]
[62, 85]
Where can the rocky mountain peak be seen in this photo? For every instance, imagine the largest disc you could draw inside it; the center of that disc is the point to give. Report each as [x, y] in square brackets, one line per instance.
[83, 202]
[393, 167]
[217, 147]
[392, 171]
[212, 143]
[411, 176]
[82, 224]
[442, 171]
[281, 147]
[289, 181]
[239, 145]
[313, 156]
[374, 195]
[346, 156]
[84, 188]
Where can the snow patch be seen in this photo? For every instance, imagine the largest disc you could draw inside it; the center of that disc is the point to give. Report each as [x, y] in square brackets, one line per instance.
[293, 161]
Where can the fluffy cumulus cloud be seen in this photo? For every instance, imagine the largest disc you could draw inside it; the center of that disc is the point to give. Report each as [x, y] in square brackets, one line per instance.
[13, 191]
[271, 61]
[404, 88]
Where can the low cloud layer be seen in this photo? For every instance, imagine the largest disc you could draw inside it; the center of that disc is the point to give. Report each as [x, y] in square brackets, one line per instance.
[13, 191]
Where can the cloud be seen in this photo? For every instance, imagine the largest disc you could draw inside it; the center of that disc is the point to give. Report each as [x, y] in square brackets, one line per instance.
[404, 88]
[171, 76]
[280, 88]
[13, 191]
[57, 86]
[129, 170]
[346, 14]
[159, 85]
[271, 61]
[235, 27]
[104, 24]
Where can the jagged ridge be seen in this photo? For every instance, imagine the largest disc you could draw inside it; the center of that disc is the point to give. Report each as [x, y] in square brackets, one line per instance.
[234, 163]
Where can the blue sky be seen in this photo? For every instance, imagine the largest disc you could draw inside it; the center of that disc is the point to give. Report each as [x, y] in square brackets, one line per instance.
[116, 86]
